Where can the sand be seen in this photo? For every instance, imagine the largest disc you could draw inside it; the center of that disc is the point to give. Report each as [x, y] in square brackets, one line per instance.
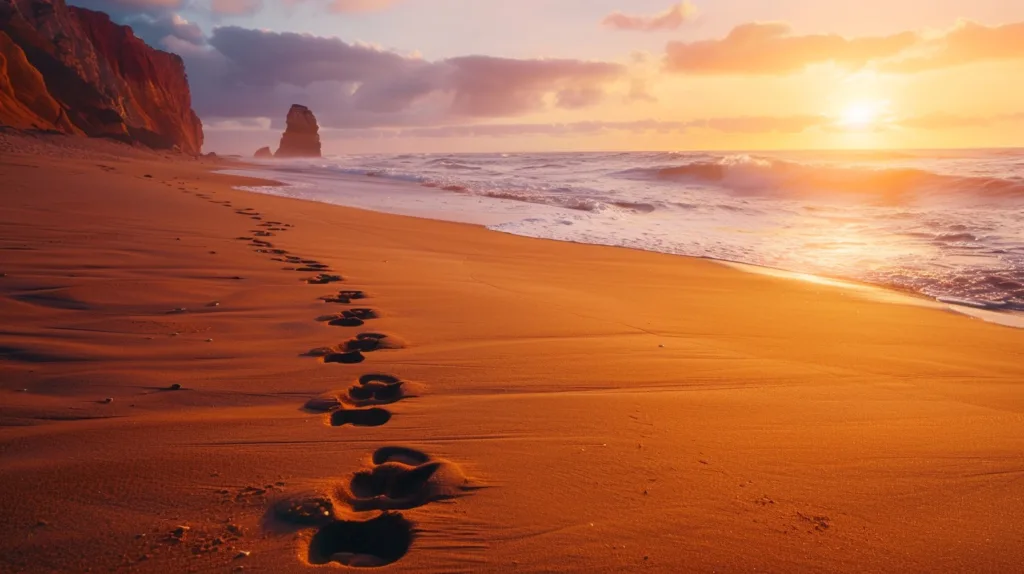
[174, 397]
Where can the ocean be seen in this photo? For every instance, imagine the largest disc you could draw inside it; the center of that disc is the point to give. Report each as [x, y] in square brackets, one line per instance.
[946, 225]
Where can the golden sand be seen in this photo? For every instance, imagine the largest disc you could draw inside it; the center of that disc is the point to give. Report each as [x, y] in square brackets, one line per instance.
[507, 404]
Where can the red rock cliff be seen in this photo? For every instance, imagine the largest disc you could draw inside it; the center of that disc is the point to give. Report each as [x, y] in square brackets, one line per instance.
[73, 70]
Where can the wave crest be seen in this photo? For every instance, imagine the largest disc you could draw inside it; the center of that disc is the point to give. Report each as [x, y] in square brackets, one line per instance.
[753, 174]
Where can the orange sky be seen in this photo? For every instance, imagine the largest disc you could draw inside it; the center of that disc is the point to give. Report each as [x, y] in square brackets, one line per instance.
[605, 74]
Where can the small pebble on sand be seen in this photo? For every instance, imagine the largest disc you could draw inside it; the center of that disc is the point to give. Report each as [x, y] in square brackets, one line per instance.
[175, 387]
[242, 554]
[108, 400]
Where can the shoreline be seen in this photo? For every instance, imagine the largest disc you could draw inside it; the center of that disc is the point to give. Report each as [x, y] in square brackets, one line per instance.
[885, 293]
[582, 409]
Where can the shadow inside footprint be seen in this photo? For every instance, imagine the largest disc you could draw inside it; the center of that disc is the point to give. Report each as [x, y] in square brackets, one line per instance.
[349, 358]
[344, 297]
[360, 417]
[374, 543]
[377, 389]
[403, 478]
[350, 318]
[393, 480]
[404, 455]
[371, 390]
[323, 279]
[369, 342]
[346, 322]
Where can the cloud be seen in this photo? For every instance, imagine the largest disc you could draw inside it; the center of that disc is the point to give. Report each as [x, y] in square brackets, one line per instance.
[166, 30]
[157, 22]
[259, 73]
[236, 124]
[671, 19]
[348, 6]
[965, 43]
[947, 121]
[762, 124]
[495, 87]
[235, 7]
[772, 48]
[360, 5]
[748, 124]
[496, 130]
[736, 124]
[119, 8]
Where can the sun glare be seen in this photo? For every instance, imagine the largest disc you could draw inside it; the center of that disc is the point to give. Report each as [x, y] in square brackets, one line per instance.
[861, 115]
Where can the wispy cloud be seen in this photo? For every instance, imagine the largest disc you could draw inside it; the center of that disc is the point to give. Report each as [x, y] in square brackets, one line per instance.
[671, 19]
[236, 7]
[771, 48]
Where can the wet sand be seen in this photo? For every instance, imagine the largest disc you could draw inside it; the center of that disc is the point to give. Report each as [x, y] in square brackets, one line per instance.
[201, 379]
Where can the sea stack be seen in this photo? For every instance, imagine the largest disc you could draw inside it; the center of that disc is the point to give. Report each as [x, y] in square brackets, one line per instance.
[301, 135]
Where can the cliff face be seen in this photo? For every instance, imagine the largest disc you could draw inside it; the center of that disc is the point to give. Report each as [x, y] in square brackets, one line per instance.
[73, 70]
[301, 136]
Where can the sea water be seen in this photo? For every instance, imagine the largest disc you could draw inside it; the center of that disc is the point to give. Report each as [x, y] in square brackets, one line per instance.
[948, 225]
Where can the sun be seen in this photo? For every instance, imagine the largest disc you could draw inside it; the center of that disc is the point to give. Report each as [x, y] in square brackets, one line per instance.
[862, 115]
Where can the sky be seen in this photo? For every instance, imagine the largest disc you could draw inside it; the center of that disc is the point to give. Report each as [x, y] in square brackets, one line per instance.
[399, 76]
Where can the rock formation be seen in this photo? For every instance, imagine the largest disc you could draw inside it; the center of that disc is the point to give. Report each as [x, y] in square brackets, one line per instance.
[263, 152]
[301, 134]
[72, 70]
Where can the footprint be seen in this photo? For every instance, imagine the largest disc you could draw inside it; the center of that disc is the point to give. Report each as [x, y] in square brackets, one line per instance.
[402, 454]
[402, 479]
[360, 417]
[323, 279]
[349, 318]
[344, 297]
[370, 390]
[350, 358]
[376, 389]
[374, 543]
[369, 342]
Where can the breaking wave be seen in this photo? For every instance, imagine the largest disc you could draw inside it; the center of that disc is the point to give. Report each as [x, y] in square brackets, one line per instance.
[752, 174]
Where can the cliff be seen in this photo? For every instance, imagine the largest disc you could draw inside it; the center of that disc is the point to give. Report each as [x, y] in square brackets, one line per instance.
[73, 70]
[301, 136]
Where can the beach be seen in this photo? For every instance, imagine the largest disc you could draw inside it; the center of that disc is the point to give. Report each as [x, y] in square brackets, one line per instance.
[559, 407]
